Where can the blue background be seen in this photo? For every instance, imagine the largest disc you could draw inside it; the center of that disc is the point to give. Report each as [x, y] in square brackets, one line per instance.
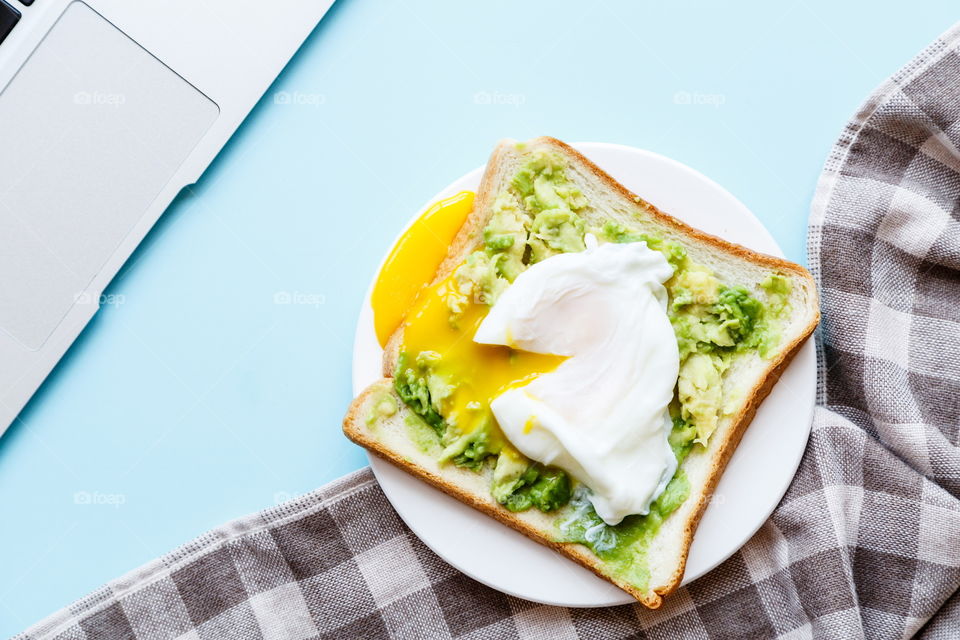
[193, 397]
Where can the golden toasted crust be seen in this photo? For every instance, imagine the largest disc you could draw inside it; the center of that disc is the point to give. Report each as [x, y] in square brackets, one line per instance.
[469, 238]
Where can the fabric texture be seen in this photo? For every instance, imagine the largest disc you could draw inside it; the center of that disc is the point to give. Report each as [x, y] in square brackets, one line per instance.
[866, 543]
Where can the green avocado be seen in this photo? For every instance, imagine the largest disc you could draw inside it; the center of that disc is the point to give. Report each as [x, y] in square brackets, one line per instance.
[410, 383]
[542, 184]
[469, 450]
[615, 232]
[505, 237]
[777, 288]
[519, 484]
[383, 407]
[700, 392]
[556, 231]
[509, 474]
[477, 280]
[682, 438]
[549, 491]
[694, 285]
[552, 202]
[534, 219]
[421, 434]
[738, 313]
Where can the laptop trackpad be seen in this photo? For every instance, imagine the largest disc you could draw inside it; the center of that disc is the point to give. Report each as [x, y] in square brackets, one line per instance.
[92, 128]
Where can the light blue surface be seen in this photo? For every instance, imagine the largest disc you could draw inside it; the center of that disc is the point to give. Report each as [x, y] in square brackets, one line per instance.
[196, 397]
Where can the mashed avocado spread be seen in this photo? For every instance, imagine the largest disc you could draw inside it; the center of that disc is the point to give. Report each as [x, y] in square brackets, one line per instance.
[541, 214]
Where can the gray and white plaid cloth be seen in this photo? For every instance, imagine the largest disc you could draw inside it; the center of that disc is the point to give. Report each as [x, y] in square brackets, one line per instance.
[866, 543]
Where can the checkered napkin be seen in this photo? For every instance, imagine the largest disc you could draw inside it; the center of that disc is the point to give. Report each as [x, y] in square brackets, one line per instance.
[866, 543]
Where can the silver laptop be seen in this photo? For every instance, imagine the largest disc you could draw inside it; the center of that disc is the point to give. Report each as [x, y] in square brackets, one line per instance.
[108, 108]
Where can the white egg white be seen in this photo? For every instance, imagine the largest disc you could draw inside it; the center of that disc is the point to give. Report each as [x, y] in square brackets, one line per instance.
[602, 414]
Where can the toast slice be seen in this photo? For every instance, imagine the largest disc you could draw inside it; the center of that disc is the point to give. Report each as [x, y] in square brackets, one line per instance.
[381, 422]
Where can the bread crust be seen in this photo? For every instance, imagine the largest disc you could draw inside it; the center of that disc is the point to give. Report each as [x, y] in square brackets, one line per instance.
[467, 239]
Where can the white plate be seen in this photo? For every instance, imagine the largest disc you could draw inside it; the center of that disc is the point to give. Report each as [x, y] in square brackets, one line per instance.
[756, 478]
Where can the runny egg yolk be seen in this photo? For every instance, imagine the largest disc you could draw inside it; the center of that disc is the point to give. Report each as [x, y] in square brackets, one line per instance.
[413, 261]
[478, 372]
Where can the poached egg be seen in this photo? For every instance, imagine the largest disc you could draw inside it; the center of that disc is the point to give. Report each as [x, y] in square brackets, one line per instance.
[601, 414]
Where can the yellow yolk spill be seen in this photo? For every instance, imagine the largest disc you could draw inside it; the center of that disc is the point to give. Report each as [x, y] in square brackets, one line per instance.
[529, 424]
[414, 260]
[478, 372]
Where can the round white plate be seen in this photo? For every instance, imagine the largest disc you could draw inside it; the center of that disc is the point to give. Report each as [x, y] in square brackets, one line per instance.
[756, 478]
